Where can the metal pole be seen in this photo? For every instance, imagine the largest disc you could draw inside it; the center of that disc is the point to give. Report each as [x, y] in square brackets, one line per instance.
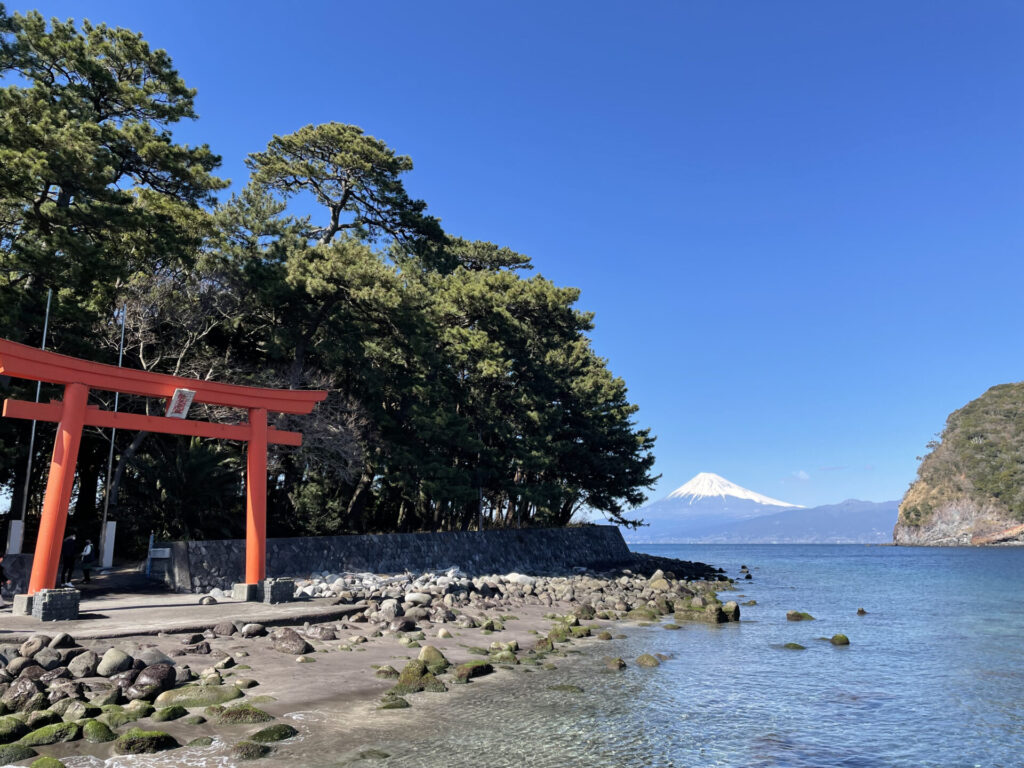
[32, 438]
[113, 434]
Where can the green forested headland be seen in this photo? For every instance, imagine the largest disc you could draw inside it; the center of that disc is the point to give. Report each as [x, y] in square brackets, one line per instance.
[463, 388]
[972, 480]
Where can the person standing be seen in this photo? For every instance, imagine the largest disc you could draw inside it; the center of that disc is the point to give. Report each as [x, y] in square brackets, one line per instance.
[67, 559]
[86, 560]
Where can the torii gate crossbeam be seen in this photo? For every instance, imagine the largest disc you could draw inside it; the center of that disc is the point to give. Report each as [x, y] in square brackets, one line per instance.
[74, 413]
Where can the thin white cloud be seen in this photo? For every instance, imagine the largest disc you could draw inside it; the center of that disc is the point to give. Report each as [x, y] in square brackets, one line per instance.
[801, 475]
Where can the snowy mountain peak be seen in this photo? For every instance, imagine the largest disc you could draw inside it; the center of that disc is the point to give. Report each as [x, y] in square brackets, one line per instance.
[708, 484]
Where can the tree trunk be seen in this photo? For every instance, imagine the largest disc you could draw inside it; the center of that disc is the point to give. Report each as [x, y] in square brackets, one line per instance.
[122, 463]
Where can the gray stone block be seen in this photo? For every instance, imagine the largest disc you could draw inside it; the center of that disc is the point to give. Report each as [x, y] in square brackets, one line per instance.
[246, 592]
[278, 590]
[55, 604]
[22, 605]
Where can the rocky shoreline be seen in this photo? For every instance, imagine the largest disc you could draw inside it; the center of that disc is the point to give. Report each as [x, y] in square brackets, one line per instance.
[403, 636]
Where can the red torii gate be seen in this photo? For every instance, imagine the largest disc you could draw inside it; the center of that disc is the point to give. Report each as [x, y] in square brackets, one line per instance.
[74, 413]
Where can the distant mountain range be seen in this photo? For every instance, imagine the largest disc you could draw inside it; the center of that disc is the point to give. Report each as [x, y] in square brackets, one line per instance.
[709, 509]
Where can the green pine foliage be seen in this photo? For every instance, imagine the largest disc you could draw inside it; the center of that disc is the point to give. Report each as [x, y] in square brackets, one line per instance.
[464, 390]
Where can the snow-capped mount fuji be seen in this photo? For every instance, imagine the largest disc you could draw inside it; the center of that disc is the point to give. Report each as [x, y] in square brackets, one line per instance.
[706, 485]
[706, 502]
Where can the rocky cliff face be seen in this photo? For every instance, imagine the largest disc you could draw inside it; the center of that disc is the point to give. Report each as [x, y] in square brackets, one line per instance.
[970, 488]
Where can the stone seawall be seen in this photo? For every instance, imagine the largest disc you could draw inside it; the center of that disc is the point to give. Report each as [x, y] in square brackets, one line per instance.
[199, 566]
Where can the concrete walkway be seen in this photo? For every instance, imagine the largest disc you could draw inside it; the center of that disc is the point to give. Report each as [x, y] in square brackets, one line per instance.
[125, 604]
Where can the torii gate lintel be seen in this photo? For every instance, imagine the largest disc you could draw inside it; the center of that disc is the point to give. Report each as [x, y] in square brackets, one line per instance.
[73, 413]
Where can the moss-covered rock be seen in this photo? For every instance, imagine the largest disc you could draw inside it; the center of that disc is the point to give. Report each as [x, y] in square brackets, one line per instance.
[11, 729]
[471, 669]
[140, 742]
[646, 660]
[201, 741]
[839, 639]
[614, 663]
[544, 644]
[97, 732]
[190, 696]
[435, 660]
[393, 702]
[243, 713]
[643, 614]
[193, 720]
[386, 672]
[415, 677]
[606, 635]
[47, 762]
[276, 732]
[173, 712]
[15, 753]
[51, 734]
[80, 710]
[579, 632]
[43, 717]
[139, 709]
[794, 647]
[559, 634]
[249, 750]
[798, 616]
[115, 719]
[504, 657]
[565, 688]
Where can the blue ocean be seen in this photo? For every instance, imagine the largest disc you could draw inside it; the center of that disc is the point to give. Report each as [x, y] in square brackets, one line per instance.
[933, 675]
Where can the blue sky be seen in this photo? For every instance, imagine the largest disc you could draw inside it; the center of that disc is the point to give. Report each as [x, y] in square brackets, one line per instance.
[799, 224]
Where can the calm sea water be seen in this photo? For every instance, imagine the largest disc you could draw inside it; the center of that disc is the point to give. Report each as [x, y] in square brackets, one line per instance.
[933, 677]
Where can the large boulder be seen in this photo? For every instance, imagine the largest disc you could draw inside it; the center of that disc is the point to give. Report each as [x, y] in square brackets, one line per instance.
[402, 624]
[11, 729]
[113, 661]
[139, 742]
[20, 693]
[79, 710]
[152, 681]
[52, 734]
[63, 689]
[287, 640]
[19, 665]
[124, 680]
[62, 640]
[434, 659]
[390, 609]
[84, 664]
[253, 630]
[150, 656]
[33, 645]
[198, 696]
[322, 632]
[57, 673]
[15, 753]
[277, 732]
[47, 658]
